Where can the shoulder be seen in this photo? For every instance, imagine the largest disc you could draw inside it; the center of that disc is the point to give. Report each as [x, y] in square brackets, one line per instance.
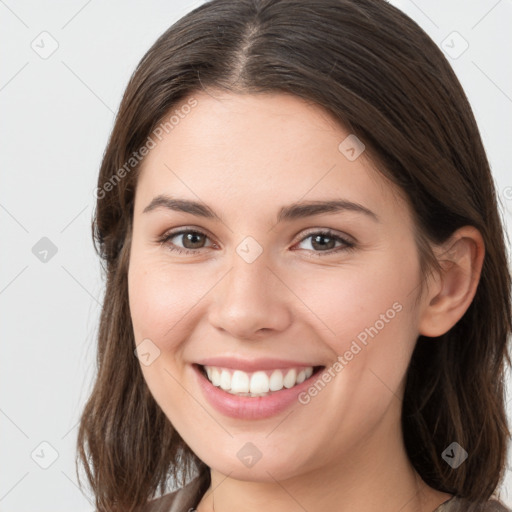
[457, 504]
[181, 500]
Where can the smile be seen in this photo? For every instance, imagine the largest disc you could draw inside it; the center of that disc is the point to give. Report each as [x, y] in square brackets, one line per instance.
[258, 383]
[273, 391]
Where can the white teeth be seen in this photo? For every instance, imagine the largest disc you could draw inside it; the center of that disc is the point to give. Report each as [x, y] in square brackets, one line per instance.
[259, 383]
[215, 376]
[290, 379]
[225, 380]
[240, 382]
[276, 381]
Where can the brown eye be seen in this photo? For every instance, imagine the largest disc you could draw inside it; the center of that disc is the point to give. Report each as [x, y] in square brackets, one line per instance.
[190, 240]
[325, 242]
[318, 241]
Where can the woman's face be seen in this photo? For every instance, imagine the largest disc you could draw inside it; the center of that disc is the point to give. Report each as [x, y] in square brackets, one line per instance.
[272, 285]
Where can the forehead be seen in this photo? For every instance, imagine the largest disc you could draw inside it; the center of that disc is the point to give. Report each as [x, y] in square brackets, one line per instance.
[261, 148]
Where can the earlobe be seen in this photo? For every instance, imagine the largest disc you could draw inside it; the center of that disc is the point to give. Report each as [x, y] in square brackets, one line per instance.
[461, 259]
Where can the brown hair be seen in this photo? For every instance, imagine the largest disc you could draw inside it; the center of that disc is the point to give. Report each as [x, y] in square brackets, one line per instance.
[386, 81]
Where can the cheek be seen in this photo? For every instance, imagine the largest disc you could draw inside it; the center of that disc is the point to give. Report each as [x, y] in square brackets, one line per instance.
[374, 300]
[163, 299]
[369, 320]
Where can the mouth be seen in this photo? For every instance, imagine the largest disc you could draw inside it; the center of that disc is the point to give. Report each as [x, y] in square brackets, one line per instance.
[259, 383]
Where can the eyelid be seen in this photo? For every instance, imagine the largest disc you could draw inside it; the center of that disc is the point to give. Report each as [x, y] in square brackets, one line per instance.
[326, 232]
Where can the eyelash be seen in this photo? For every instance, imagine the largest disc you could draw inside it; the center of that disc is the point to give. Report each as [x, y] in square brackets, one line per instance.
[347, 245]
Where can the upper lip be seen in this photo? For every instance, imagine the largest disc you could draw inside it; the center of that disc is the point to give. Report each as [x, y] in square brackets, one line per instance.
[252, 365]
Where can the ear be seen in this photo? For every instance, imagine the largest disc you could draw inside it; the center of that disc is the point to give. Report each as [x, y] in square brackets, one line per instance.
[451, 292]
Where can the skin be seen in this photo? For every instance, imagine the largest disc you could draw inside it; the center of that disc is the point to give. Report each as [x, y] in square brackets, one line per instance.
[246, 156]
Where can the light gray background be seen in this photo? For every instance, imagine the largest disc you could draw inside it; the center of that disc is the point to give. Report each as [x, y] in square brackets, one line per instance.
[56, 114]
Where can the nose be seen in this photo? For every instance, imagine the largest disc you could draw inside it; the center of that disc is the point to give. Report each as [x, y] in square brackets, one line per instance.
[251, 300]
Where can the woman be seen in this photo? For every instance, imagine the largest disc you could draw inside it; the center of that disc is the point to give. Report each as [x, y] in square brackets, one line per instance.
[307, 302]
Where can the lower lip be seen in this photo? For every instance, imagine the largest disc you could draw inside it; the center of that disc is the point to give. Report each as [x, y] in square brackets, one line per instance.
[250, 408]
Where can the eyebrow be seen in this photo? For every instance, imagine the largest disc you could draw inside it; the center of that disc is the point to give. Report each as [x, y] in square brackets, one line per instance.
[291, 212]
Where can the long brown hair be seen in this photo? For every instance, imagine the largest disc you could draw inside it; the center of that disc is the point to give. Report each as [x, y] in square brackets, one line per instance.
[386, 81]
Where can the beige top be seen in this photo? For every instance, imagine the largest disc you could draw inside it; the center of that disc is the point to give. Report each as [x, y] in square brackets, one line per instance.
[187, 499]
